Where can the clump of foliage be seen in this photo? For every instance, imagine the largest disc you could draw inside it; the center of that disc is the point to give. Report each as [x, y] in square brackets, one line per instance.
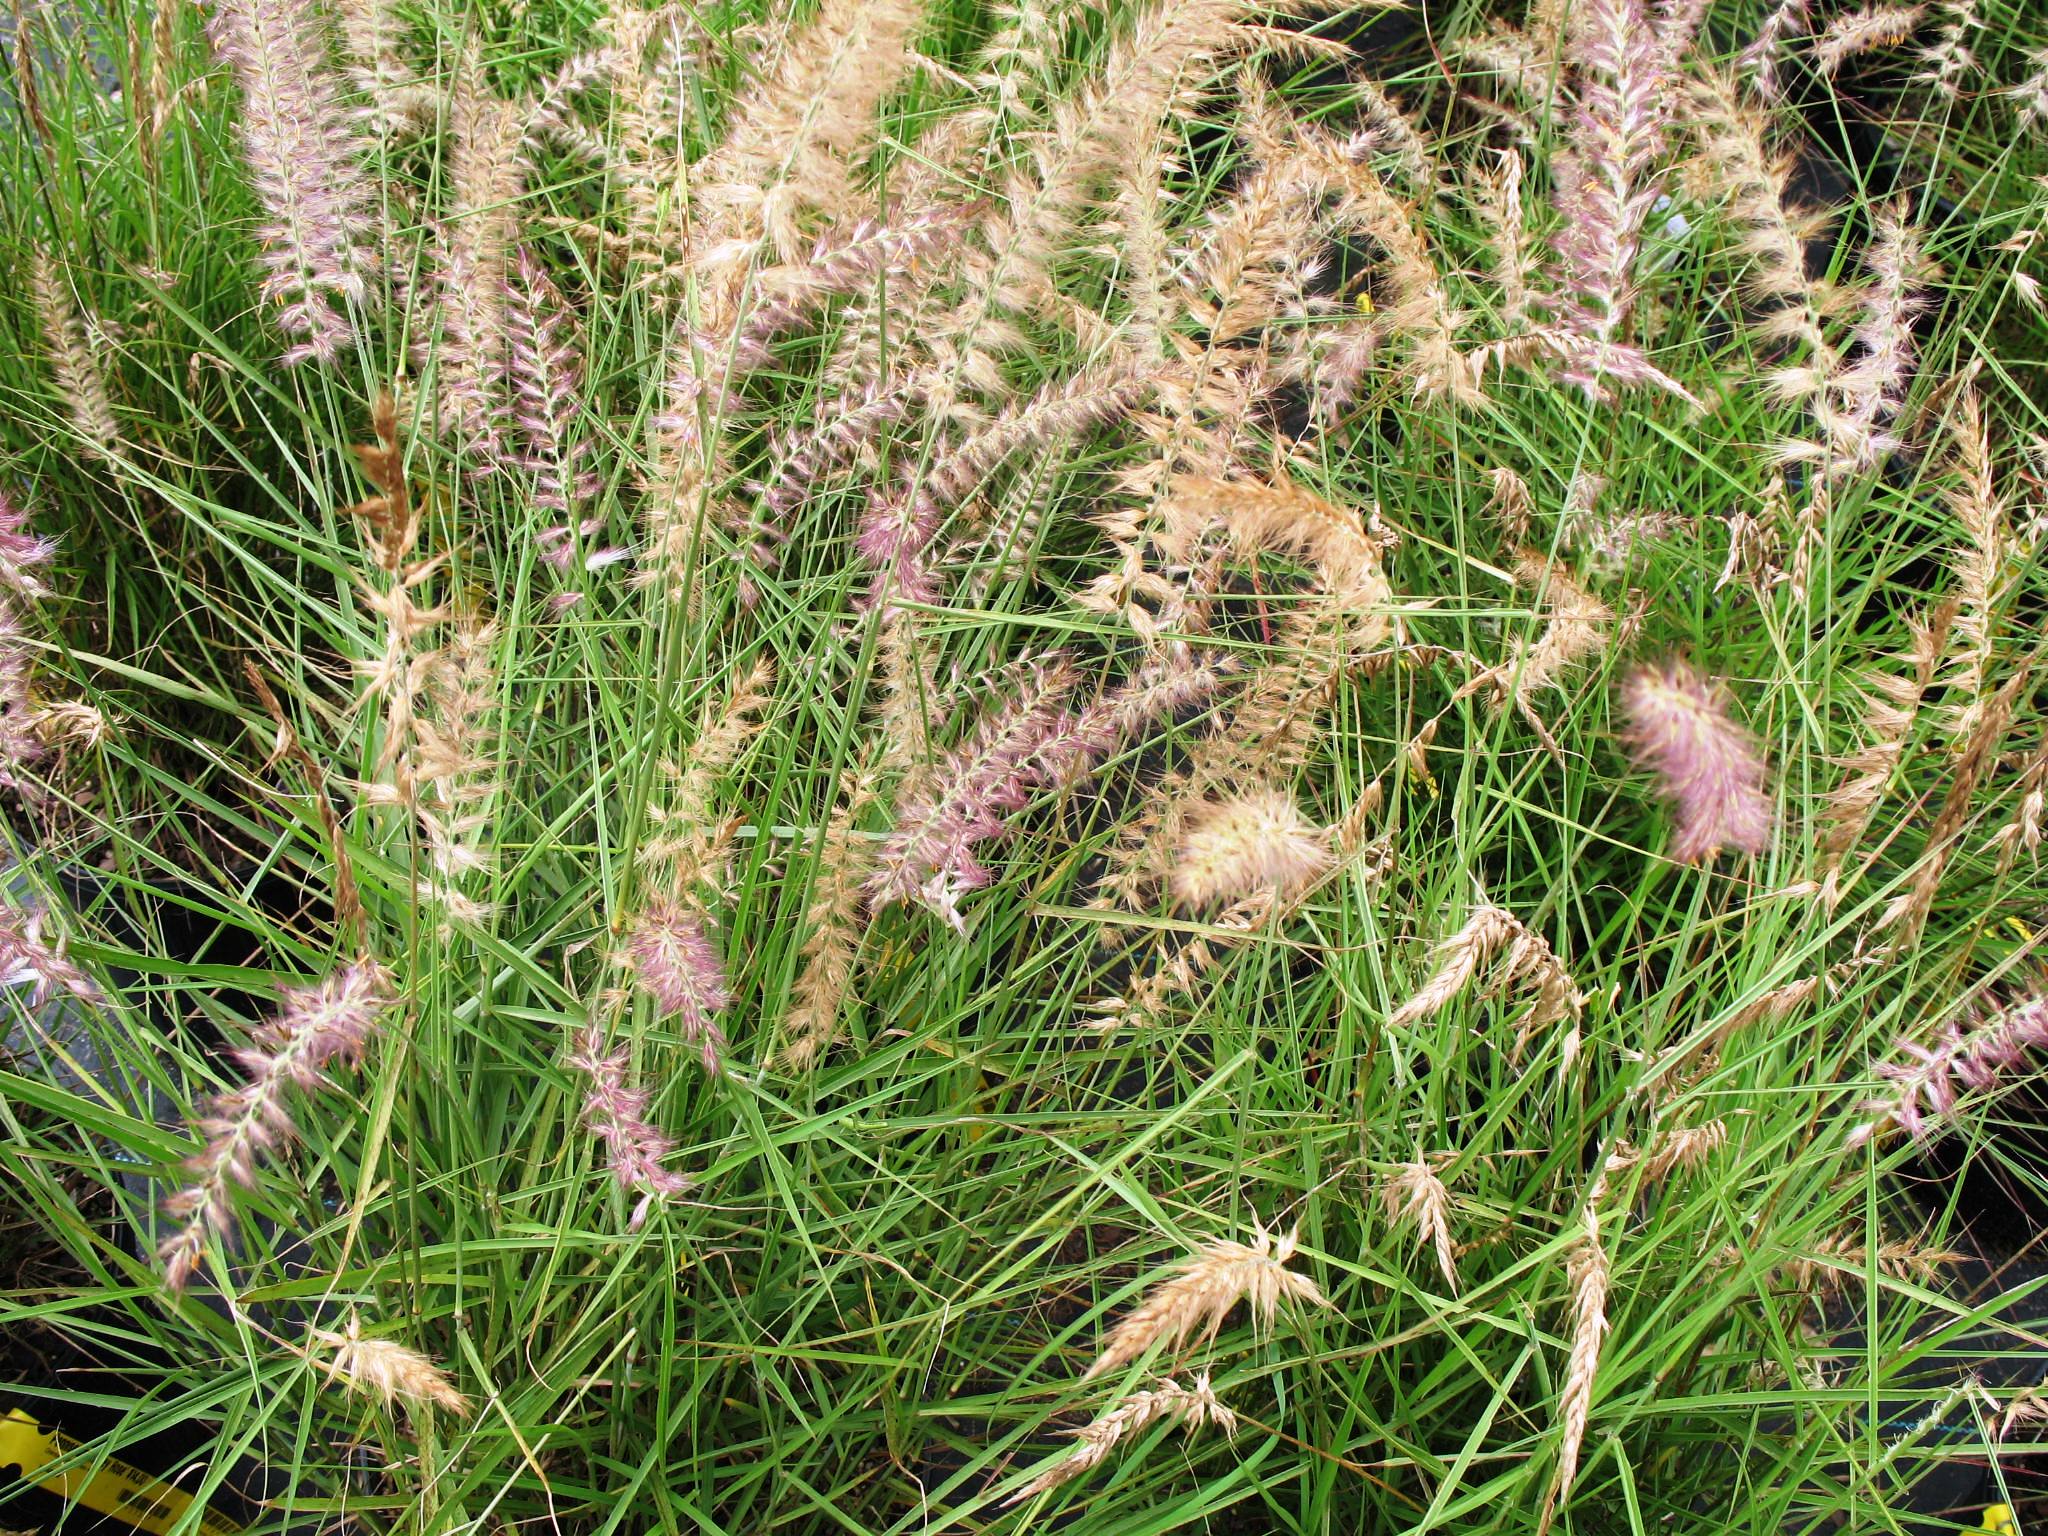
[1154, 764]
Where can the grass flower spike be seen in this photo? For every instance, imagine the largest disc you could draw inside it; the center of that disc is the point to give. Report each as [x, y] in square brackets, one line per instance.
[304, 152]
[1417, 1194]
[862, 653]
[1249, 843]
[1194, 1407]
[1203, 1292]
[615, 1109]
[1709, 770]
[676, 963]
[315, 1027]
[393, 1373]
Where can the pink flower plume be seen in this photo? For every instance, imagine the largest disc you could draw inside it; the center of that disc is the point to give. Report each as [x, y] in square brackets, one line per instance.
[1709, 769]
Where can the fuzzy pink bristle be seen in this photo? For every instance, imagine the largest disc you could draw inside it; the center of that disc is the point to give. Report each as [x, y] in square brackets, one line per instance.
[314, 1027]
[1605, 184]
[546, 364]
[675, 962]
[304, 152]
[930, 857]
[615, 1109]
[1709, 769]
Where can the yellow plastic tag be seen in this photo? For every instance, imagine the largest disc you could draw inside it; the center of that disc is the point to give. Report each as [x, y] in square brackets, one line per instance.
[110, 1488]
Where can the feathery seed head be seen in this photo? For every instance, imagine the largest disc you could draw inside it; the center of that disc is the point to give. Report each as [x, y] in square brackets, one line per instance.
[21, 551]
[615, 1110]
[676, 964]
[304, 153]
[384, 1369]
[1929, 1080]
[27, 958]
[943, 817]
[1861, 30]
[1709, 769]
[1247, 843]
[1588, 1270]
[1417, 1193]
[1170, 1403]
[314, 1026]
[1494, 938]
[546, 365]
[1605, 183]
[1202, 1293]
[69, 338]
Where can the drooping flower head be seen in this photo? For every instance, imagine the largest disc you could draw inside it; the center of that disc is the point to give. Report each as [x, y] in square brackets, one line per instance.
[547, 376]
[21, 550]
[677, 965]
[615, 1110]
[1248, 843]
[303, 151]
[314, 1027]
[1709, 769]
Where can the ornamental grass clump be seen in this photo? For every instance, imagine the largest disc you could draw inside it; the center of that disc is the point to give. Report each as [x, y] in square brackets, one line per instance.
[1132, 765]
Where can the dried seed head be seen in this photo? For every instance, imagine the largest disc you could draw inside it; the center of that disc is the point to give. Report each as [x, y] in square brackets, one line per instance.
[1578, 631]
[1202, 1293]
[1510, 505]
[1831, 1262]
[1521, 959]
[1861, 30]
[1684, 1149]
[69, 336]
[1247, 843]
[1417, 1194]
[386, 1370]
[1169, 1403]
[1588, 1269]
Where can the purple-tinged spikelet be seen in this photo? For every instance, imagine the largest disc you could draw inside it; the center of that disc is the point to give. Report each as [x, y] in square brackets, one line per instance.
[1858, 413]
[1709, 769]
[840, 430]
[894, 534]
[1928, 1079]
[314, 1027]
[1605, 186]
[677, 965]
[1764, 56]
[20, 746]
[547, 377]
[615, 1109]
[303, 153]
[947, 814]
[21, 551]
[28, 959]
[466, 353]
[1065, 406]
[847, 262]
[570, 547]
[1154, 691]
